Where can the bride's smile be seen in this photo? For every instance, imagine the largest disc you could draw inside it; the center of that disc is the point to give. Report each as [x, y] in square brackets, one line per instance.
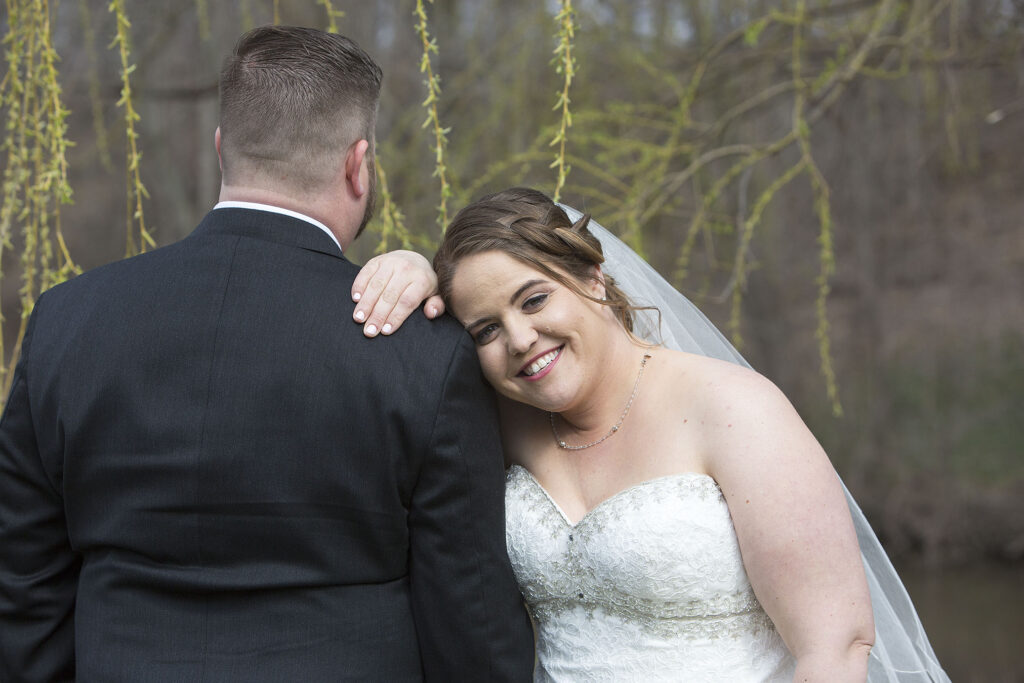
[541, 365]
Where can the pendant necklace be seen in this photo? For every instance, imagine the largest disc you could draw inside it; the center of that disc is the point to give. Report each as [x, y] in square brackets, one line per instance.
[625, 411]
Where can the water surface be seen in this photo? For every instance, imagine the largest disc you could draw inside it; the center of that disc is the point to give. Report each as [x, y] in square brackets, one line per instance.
[974, 617]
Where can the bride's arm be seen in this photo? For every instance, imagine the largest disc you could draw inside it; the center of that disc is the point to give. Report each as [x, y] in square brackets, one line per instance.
[389, 287]
[796, 536]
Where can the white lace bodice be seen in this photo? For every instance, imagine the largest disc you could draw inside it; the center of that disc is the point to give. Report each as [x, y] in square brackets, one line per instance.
[648, 586]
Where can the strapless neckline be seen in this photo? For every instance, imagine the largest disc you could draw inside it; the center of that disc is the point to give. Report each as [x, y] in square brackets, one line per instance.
[648, 586]
[609, 500]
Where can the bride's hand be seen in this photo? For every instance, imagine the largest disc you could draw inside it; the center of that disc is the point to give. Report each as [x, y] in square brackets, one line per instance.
[389, 287]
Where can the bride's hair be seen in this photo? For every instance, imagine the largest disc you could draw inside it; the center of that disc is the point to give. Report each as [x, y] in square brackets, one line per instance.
[528, 226]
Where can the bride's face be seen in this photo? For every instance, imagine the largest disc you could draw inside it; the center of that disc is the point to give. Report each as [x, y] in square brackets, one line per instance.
[538, 341]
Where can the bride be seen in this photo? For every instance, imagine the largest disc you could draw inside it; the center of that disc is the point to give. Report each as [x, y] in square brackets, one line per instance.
[668, 514]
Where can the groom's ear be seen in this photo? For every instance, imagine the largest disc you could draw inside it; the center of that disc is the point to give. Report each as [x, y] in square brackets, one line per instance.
[356, 173]
[216, 143]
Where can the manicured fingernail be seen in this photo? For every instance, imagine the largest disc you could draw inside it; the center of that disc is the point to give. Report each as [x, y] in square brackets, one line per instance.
[360, 316]
[356, 296]
[371, 330]
[386, 329]
[433, 311]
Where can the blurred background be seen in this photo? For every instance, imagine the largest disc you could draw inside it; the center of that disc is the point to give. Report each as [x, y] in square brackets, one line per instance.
[838, 184]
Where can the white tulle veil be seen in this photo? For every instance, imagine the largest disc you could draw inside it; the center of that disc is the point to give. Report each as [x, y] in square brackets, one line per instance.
[901, 652]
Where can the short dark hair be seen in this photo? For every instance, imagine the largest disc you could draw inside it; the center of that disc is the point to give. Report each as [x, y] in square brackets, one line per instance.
[527, 225]
[291, 100]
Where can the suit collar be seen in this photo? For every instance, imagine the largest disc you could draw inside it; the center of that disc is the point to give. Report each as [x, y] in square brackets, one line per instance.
[278, 209]
[270, 226]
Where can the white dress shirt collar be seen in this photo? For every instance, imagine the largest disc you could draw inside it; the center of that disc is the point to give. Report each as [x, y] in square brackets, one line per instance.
[277, 209]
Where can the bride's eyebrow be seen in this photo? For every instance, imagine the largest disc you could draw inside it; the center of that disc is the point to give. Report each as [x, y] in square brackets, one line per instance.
[525, 286]
[511, 300]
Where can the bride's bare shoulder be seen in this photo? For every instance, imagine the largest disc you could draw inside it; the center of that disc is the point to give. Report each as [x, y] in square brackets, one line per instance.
[717, 391]
[689, 372]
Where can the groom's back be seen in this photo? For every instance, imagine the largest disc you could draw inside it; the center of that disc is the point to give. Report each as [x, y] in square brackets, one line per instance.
[255, 490]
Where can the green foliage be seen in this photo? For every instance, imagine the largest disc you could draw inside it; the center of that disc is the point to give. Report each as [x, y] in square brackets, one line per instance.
[754, 30]
[245, 10]
[433, 120]
[332, 15]
[393, 232]
[95, 100]
[683, 144]
[565, 64]
[136, 191]
[203, 15]
[35, 179]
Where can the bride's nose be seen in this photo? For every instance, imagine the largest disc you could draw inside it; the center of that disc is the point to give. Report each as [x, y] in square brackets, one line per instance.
[521, 336]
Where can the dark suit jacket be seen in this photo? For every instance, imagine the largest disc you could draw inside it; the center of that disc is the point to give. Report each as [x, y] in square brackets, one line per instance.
[207, 473]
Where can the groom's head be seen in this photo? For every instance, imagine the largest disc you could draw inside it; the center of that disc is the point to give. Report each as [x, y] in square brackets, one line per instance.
[296, 105]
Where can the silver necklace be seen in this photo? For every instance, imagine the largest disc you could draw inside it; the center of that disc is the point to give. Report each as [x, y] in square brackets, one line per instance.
[625, 411]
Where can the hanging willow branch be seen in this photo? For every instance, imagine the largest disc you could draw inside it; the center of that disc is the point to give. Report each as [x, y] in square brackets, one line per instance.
[16, 97]
[332, 15]
[245, 10]
[565, 64]
[136, 191]
[55, 144]
[99, 126]
[392, 220]
[203, 16]
[823, 208]
[646, 164]
[35, 177]
[433, 84]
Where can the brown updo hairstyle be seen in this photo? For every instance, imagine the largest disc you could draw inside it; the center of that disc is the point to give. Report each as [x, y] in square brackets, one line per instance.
[528, 226]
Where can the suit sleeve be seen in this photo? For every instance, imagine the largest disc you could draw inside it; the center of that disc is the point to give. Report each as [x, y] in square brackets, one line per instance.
[470, 619]
[38, 569]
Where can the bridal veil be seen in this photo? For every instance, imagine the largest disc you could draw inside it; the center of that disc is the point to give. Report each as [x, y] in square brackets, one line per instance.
[902, 653]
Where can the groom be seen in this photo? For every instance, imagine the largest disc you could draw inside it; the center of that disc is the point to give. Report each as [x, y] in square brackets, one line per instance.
[207, 473]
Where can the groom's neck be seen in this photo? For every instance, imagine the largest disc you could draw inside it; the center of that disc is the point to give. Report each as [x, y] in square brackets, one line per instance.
[321, 208]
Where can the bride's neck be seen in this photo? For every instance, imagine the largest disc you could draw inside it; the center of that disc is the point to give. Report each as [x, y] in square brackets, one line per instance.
[608, 391]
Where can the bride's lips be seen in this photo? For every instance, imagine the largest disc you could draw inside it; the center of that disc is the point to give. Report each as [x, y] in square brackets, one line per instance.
[543, 371]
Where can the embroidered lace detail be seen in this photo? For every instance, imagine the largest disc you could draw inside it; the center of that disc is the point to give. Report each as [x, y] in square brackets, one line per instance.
[647, 586]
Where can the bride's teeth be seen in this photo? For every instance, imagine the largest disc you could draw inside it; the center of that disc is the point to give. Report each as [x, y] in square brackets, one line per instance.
[541, 363]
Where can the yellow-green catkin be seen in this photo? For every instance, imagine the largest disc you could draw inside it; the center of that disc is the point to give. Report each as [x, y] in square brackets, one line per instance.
[137, 237]
[55, 165]
[822, 207]
[35, 143]
[565, 64]
[245, 10]
[391, 218]
[203, 18]
[15, 91]
[95, 98]
[332, 15]
[433, 121]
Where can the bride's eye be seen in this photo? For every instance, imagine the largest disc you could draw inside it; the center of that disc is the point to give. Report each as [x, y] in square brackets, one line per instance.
[486, 333]
[535, 302]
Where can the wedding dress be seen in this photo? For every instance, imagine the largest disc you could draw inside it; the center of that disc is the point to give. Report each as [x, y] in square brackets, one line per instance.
[649, 585]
